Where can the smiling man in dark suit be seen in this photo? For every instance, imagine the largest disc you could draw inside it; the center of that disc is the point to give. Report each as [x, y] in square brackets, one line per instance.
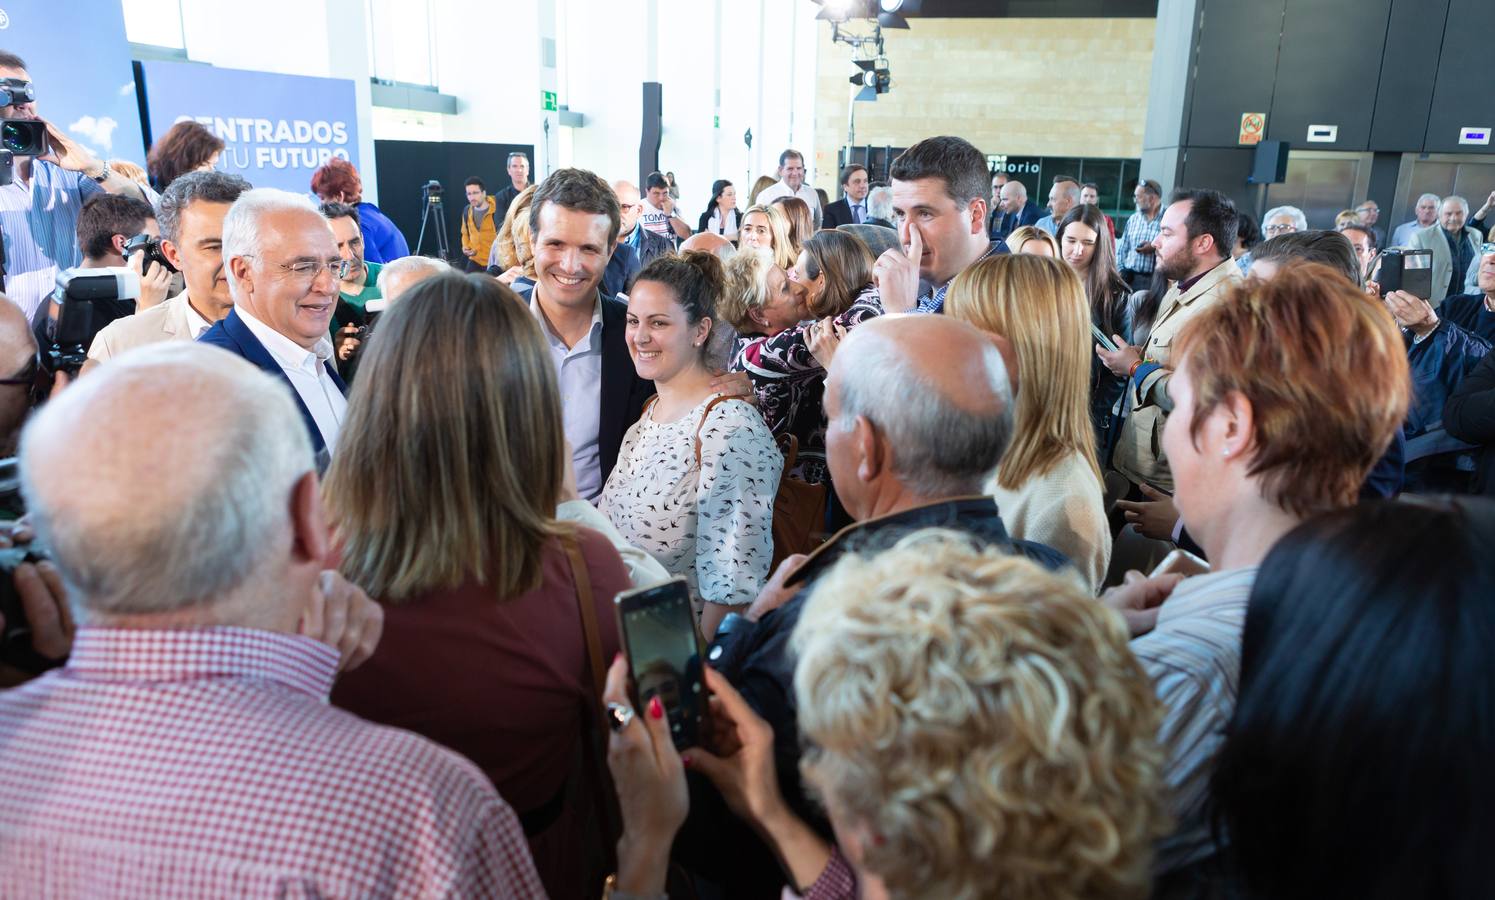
[281, 263]
[851, 209]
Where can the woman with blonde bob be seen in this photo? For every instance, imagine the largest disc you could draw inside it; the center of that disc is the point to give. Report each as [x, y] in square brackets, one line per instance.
[512, 254]
[1035, 241]
[767, 227]
[832, 281]
[1048, 485]
[801, 220]
[977, 729]
[443, 500]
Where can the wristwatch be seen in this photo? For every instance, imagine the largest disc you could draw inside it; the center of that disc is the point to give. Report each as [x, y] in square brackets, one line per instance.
[104, 173]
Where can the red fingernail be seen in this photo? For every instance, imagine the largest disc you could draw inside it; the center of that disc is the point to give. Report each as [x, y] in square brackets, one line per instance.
[617, 656]
[685, 761]
[656, 709]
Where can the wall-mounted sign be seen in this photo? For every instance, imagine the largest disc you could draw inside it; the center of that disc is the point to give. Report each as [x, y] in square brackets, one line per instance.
[1475, 134]
[1253, 126]
[547, 100]
[277, 129]
[1323, 134]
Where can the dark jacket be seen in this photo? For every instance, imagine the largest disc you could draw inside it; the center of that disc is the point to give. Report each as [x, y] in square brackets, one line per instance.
[649, 245]
[617, 278]
[1000, 224]
[234, 336]
[756, 658]
[502, 200]
[837, 214]
[1470, 416]
[1440, 361]
[623, 392]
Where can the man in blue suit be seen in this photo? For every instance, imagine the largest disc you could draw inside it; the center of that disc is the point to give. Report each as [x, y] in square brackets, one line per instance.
[1013, 211]
[282, 266]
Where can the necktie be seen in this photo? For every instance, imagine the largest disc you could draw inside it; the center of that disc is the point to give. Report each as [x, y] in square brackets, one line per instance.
[856, 213]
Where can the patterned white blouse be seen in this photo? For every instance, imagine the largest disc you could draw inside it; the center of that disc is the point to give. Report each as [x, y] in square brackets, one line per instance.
[711, 523]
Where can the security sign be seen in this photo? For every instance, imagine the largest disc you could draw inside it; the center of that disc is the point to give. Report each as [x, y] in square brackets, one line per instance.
[1253, 125]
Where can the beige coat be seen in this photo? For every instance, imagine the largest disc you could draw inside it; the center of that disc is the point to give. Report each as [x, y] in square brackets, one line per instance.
[1139, 451]
[1431, 238]
[166, 321]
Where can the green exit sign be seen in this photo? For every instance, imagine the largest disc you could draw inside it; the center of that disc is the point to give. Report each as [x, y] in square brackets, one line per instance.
[547, 100]
[716, 121]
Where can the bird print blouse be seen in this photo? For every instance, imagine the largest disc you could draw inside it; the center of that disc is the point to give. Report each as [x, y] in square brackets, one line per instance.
[711, 523]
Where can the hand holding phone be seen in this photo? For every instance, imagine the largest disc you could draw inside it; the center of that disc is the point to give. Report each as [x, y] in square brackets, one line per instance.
[1102, 339]
[665, 655]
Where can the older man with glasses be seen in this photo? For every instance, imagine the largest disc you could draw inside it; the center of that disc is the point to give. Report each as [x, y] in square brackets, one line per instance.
[283, 269]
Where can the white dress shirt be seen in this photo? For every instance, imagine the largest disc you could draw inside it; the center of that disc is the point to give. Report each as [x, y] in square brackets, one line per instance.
[308, 374]
[806, 193]
[578, 371]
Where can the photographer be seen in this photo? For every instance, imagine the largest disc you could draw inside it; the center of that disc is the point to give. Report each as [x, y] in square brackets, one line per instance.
[105, 226]
[39, 209]
[356, 289]
[192, 211]
[36, 587]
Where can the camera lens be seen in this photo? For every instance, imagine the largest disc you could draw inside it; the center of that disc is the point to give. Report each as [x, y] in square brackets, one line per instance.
[12, 137]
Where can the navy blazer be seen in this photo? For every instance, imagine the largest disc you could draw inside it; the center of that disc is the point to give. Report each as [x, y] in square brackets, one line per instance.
[998, 231]
[234, 336]
[839, 213]
[623, 393]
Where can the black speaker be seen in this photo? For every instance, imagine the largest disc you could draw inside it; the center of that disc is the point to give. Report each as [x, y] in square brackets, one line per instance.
[649, 134]
[1269, 165]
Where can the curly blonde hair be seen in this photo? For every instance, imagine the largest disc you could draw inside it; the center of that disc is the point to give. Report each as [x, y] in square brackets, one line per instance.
[985, 720]
[514, 235]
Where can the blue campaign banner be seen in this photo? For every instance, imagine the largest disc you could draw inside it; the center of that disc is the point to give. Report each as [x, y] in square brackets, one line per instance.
[277, 129]
[79, 62]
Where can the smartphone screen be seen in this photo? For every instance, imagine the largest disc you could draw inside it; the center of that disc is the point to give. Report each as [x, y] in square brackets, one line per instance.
[1101, 338]
[664, 655]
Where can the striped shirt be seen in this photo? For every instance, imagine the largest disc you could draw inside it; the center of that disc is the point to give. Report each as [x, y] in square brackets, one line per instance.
[1193, 657]
[39, 220]
[934, 301]
[1139, 230]
[207, 763]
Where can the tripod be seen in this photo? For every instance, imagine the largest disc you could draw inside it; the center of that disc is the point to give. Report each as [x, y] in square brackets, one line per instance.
[435, 214]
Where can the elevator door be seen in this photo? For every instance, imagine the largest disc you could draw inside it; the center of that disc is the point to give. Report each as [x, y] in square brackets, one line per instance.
[1445, 174]
[1321, 184]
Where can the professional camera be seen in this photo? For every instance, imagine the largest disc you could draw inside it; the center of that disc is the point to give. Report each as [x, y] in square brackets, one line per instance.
[15, 636]
[90, 299]
[151, 245]
[23, 137]
[431, 189]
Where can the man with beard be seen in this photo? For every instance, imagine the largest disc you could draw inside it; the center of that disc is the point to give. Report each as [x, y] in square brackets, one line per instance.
[1193, 251]
[358, 287]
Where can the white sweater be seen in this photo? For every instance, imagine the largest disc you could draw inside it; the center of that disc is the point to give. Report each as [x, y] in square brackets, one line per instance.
[1065, 509]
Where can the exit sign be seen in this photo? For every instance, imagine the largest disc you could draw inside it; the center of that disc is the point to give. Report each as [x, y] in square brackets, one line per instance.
[547, 100]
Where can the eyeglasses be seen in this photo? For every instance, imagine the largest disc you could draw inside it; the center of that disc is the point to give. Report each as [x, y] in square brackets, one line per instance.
[308, 270]
[1487, 248]
[1281, 229]
[27, 375]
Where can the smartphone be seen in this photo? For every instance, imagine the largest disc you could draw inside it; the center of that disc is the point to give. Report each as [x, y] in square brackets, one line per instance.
[1181, 562]
[1102, 339]
[665, 654]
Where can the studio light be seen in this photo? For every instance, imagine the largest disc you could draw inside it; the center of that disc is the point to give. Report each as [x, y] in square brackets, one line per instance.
[891, 5]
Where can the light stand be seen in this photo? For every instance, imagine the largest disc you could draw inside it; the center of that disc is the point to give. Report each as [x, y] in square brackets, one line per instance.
[435, 212]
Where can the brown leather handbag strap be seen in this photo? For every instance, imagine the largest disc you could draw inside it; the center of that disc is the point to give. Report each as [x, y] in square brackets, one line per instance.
[709, 407]
[586, 601]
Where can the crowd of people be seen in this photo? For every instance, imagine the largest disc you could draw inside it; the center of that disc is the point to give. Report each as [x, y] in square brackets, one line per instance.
[1030, 555]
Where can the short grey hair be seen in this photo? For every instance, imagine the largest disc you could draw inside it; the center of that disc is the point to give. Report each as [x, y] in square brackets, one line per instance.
[241, 227]
[1455, 198]
[880, 203]
[942, 448]
[1437, 201]
[1300, 221]
[215, 527]
[413, 269]
[184, 190]
[1069, 189]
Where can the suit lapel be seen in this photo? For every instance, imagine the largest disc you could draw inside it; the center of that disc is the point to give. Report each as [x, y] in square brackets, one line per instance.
[251, 349]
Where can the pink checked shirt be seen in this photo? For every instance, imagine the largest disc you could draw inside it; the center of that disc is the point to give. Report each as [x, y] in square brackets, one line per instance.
[207, 763]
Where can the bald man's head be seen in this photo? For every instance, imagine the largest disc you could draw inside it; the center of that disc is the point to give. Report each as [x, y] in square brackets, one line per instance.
[629, 206]
[934, 391]
[189, 503]
[707, 242]
[402, 274]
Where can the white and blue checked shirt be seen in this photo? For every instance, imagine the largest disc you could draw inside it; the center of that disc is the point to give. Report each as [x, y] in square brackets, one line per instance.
[39, 221]
[1139, 230]
[934, 301]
